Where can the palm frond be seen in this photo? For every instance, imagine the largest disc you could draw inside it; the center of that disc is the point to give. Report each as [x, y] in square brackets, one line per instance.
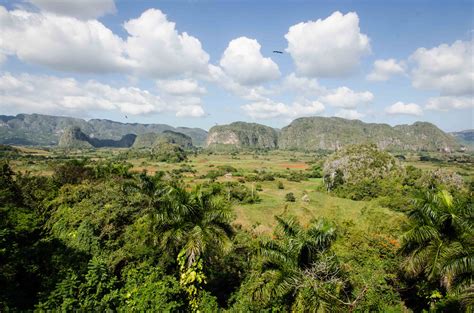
[289, 226]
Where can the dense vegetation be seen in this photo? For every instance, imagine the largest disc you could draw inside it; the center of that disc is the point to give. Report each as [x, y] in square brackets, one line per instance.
[95, 235]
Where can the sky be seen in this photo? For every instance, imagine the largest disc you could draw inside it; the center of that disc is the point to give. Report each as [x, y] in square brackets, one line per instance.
[201, 63]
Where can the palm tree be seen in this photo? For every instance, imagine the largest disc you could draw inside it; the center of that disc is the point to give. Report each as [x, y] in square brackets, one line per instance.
[295, 264]
[195, 222]
[439, 244]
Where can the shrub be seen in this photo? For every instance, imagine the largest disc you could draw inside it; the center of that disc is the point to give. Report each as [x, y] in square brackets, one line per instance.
[290, 197]
[280, 185]
[227, 168]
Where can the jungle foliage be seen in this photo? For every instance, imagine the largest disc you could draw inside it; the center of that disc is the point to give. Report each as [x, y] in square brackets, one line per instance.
[95, 236]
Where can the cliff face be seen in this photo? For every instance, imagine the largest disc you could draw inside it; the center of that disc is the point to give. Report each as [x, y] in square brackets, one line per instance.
[46, 130]
[314, 133]
[243, 135]
[73, 137]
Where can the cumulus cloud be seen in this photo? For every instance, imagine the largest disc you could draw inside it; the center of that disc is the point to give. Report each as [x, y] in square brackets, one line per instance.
[61, 43]
[448, 69]
[384, 69]
[272, 109]
[153, 48]
[344, 97]
[450, 102]
[327, 48]
[243, 61]
[303, 85]
[180, 87]
[247, 92]
[82, 9]
[349, 114]
[158, 50]
[49, 94]
[400, 108]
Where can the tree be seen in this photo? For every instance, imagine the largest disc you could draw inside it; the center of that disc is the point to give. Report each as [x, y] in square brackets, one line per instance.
[295, 270]
[191, 226]
[439, 245]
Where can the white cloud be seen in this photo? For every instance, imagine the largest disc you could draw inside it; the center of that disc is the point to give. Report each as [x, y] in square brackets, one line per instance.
[384, 69]
[251, 93]
[344, 97]
[271, 109]
[61, 43]
[82, 9]
[180, 87]
[304, 85]
[327, 48]
[450, 102]
[243, 61]
[154, 48]
[190, 111]
[349, 114]
[3, 58]
[48, 94]
[448, 69]
[400, 108]
[158, 50]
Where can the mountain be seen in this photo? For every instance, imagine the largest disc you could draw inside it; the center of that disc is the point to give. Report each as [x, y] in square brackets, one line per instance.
[150, 140]
[304, 134]
[45, 130]
[466, 137]
[243, 135]
[331, 133]
[73, 137]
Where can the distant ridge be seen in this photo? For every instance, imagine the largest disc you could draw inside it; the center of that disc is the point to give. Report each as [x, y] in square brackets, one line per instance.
[303, 134]
[46, 130]
[332, 133]
[466, 137]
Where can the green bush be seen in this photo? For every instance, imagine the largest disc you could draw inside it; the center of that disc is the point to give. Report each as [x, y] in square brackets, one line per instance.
[280, 185]
[290, 197]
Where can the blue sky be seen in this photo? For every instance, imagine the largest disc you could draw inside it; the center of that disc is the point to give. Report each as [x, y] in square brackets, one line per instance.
[198, 63]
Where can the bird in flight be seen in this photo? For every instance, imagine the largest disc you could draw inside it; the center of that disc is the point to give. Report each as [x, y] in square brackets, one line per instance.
[277, 51]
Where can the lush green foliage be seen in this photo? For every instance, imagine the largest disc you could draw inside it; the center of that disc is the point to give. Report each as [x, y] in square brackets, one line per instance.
[96, 236]
[439, 245]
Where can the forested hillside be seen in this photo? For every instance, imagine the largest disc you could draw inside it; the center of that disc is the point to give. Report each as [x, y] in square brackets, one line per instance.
[322, 133]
